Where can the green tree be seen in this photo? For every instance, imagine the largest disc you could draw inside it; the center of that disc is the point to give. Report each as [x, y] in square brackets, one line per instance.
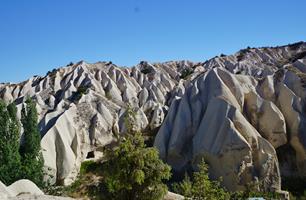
[201, 187]
[252, 189]
[9, 144]
[32, 160]
[133, 171]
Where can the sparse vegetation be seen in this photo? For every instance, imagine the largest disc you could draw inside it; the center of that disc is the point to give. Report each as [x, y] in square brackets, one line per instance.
[89, 166]
[300, 74]
[253, 190]
[200, 187]
[70, 64]
[82, 90]
[51, 73]
[239, 57]
[146, 70]
[242, 53]
[108, 95]
[299, 55]
[186, 73]
[295, 46]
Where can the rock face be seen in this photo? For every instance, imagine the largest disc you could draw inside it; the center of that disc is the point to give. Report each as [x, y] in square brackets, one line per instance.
[81, 107]
[238, 123]
[38, 197]
[173, 196]
[244, 113]
[25, 190]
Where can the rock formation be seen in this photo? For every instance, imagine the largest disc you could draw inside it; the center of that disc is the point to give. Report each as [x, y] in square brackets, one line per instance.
[18, 188]
[244, 113]
[24, 190]
[238, 123]
[81, 107]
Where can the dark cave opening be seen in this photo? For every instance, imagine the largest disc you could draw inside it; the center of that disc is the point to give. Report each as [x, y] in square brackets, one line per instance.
[90, 154]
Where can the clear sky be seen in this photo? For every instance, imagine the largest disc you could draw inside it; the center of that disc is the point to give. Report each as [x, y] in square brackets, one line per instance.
[39, 35]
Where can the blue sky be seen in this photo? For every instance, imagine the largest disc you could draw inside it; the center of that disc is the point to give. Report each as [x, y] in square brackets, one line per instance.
[39, 35]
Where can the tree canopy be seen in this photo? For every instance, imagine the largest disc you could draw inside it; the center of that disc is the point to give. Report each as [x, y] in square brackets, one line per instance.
[20, 161]
[9, 143]
[134, 172]
[32, 160]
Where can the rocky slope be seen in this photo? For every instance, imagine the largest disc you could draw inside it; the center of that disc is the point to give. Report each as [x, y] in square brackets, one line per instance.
[81, 107]
[244, 112]
[25, 190]
[248, 127]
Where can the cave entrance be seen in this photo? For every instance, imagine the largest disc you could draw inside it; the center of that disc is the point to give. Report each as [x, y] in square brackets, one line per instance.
[90, 154]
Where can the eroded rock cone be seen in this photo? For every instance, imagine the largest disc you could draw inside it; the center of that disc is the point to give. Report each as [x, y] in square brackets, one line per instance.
[236, 122]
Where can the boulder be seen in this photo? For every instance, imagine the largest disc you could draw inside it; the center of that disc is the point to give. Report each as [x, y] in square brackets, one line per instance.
[18, 188]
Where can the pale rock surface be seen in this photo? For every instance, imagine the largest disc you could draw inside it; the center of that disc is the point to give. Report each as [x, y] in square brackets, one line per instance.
[244, 113]
[173, 196]
[237, 123]
[82, 107]
[25, 190]
[38, 197]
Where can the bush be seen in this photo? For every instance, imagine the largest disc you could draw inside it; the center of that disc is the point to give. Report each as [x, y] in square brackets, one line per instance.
[253, 190]
[146, 70]
[89, 166]
[76, 96]
[201, 187]
[186, 72]
[240, 57]
[82, 89]
[134, 172]
[70, 64]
